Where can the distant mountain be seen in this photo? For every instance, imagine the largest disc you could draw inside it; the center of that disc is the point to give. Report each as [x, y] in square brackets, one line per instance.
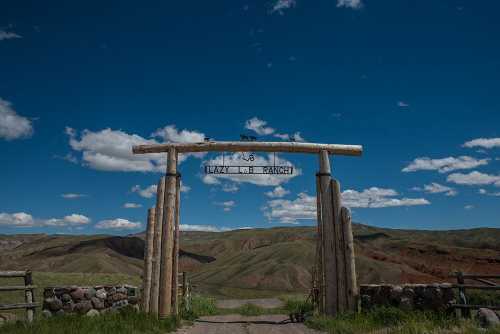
[265, 261]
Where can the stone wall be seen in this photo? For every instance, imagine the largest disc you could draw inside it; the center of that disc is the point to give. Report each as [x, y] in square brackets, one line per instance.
[435, 297]
[88, 300]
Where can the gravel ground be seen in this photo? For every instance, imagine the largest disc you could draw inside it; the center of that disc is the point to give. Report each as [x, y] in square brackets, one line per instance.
[246, 325]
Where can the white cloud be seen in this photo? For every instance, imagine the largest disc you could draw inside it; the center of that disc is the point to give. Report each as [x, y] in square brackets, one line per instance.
[281, 5]
[354, 4]
[258, 126]
[298, 137]
[474, 178]
[146, 192]
[4, 35]
[445, 165]
[230, 187]
[72, 196]
[22, 219]
[436, 188]
[185, 188]
[111, 150]
[277, 192]
[403, 104]
[469, 207]
[257, 179]
[132, 205]
[487, 193]
[227, 205]
[483, 142]
[282, 136]
[378, 198]
[13, 126]
[203, 228]
[117, 224]
[304, 206]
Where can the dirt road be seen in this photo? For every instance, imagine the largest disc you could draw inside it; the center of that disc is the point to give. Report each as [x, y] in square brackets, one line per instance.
[237, 324]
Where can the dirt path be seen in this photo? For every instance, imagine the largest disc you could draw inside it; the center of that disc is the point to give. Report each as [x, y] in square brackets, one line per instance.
[238, 324]
[262, 302]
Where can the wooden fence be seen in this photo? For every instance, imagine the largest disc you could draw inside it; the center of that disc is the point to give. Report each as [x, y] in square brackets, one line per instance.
[28, 288]
[463, 305]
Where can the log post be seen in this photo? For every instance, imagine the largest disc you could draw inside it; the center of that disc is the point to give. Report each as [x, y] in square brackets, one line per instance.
[165, 305]
[339, 247]
[28, 296]
[329, 242]
[175, 266]
[351, 282]
[148, 258]
[156, 262]
[320, 278]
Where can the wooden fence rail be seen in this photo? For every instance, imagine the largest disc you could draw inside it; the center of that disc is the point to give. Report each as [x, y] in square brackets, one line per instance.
[463, 305]
[29, 295]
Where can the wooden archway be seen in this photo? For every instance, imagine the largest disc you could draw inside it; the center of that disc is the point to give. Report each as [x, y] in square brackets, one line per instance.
[335, 274]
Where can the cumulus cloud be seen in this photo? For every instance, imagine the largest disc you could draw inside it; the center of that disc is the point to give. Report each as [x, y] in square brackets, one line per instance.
[487, 193]
[258, 126]
[483, 142]
[230, 187]
[4, 35]
[354, 4]
[469, 207]
[203, 228]
[280, 6]
[403, 104]
[436, 188]
[132, 205]
[277, 192]
[22, 219]
[445, 165]
[72, 196]
[13, 126]
[227, 205]
[304, 206]
[117, 224]
[111, 150]
[146, 192]
[474, 178]
[257, 179]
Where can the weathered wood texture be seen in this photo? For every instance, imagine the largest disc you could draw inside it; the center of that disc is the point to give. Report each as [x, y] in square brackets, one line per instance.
[351, 280]
[156, 261]
[12, 273]
[228, 146]
[320, 277]
[329, 242]
[165, 307]
[29, 299]
[339, 247]
[148, 261]
[175, 267]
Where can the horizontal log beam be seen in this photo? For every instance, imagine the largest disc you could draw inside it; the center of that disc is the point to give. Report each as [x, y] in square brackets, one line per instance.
[235, 146]
[13, 273]
[476, 287]
[472, 276]
[17, 288]
[18, 306]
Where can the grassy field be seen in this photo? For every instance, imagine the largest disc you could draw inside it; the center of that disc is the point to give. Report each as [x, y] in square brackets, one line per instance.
[127, 322]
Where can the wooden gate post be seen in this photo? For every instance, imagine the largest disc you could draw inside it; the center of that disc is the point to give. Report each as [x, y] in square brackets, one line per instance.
[329, 242]
[29, 297]
[148, 258]
[175, 266]
[351, 282]
[156, 262]
[165, 307]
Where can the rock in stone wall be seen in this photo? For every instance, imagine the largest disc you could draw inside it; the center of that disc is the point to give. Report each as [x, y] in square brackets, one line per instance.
[88, 300]
[435, 297]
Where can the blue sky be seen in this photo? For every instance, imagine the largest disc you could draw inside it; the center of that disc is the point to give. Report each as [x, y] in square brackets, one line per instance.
[415, 83]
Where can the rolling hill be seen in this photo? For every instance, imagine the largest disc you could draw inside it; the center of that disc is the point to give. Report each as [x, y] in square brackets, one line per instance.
[265, 261]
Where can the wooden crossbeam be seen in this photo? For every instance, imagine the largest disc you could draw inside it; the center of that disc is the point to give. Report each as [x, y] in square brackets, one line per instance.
[18, 306]
[234, 146]
[17, 288]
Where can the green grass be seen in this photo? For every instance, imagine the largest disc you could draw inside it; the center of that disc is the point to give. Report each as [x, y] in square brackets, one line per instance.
[396, 321]
[118, 323]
